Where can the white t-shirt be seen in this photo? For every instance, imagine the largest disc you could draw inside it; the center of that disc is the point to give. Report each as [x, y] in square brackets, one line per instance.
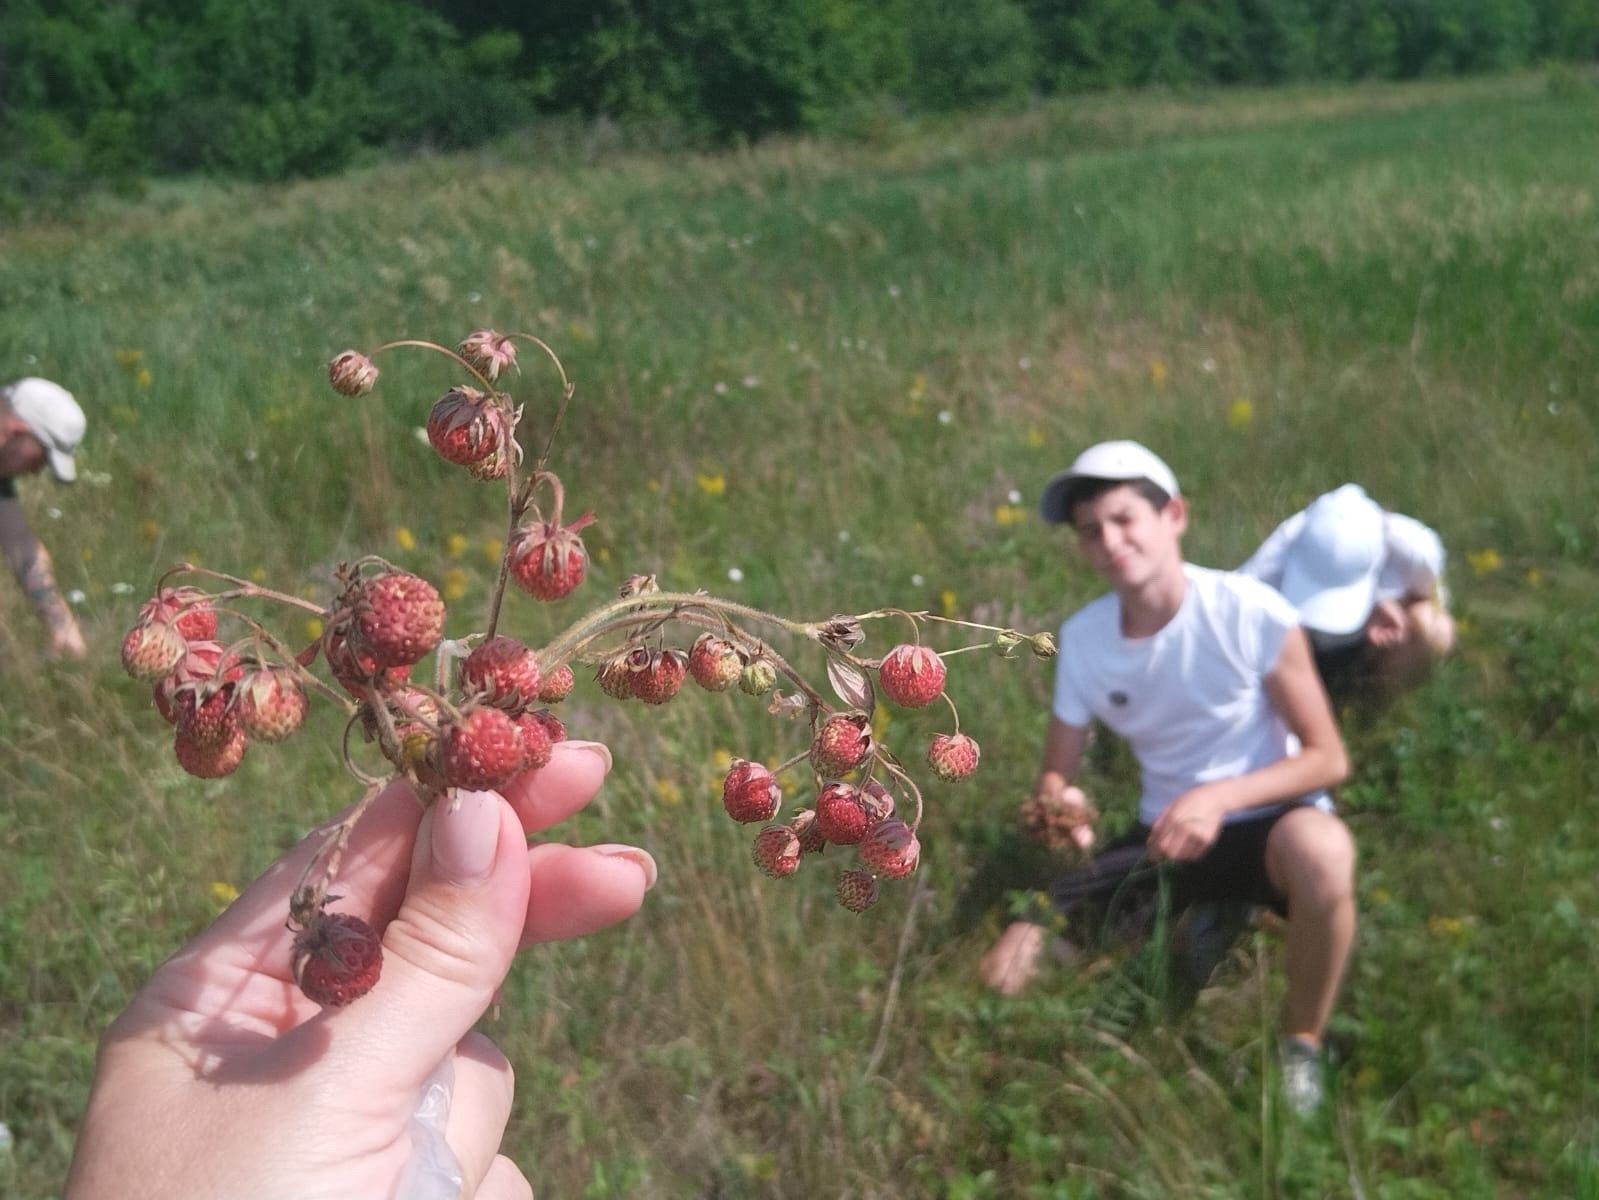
[1190, 700]
[1412, 565]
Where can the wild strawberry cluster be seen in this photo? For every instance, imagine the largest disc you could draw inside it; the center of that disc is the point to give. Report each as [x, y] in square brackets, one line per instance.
[482, 716]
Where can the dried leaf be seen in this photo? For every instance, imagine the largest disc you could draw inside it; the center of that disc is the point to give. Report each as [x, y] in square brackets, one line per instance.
[790, 706]
[851, 686]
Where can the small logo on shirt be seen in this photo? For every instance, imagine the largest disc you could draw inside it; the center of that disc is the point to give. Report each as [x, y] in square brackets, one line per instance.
[1119, 699]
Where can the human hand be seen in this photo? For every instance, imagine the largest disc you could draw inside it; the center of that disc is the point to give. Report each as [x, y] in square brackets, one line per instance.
[66, 641]
[1060, 814]
[222, 1080]
[1190, 824]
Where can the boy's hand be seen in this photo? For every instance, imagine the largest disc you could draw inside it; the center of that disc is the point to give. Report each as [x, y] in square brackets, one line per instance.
[1189, 826]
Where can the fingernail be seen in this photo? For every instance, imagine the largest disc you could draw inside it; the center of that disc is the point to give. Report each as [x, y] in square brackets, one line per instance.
[466, 833]
[599, 749]
[632, 854]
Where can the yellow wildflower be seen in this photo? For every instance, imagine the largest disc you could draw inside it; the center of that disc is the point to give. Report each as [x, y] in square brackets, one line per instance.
[1534, 577]
[1241, 414]
[222, 892]
[404, 538]
[127, 358]
[1446, 926]
[918, 386]
[602, 554]
[313, 628]
[1157, 372]
[712, 485]
[1009, 514]
[142, 379]
[1484, 562]
[580, 331]
[454, 584]
[653, 484]
[946, 603]
[722, 760]
[668, 793]
[881, 718]
[1035, 437]
[492, 549]
[149, 530]
[258, 574]
[1381, 895]
[455, 545]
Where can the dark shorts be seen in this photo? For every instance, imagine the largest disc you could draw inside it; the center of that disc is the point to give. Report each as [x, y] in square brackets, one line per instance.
[1123, 879]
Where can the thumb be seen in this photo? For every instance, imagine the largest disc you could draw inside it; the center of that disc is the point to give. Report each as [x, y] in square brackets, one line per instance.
[449, 946]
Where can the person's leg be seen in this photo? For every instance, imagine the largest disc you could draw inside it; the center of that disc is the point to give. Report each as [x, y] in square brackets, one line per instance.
[1310, 859]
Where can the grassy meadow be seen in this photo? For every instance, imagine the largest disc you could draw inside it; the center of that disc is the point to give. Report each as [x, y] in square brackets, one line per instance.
[828, 378]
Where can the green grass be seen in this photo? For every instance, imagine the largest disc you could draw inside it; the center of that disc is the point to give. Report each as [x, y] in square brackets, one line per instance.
[874, 345]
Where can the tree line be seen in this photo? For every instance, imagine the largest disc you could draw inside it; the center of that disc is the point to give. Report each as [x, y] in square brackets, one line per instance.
[109, 91]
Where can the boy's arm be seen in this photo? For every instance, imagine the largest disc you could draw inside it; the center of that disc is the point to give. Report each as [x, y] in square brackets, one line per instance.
[1190, 824]
[30, 563]
[1063, 753]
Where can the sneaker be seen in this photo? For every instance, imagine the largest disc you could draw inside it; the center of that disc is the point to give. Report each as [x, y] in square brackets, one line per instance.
[1301, 1076]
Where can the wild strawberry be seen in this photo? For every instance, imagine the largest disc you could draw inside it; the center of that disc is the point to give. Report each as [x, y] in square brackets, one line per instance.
[810, 837]
[777, 851]
[614, 677]
[656, 675]
[548, 560]
[912, 676]
[535, 742]
[557, 685]
[877, 801]
[399, 616]
[466, 426]
[502, 672]
[201, 661]
[953, 755]
[750, 792]
[152, 650]
[857, 890]
[844, 742]
[488, 351]
[270, 703]
[212, 761]
[356, 669]
[195, 618]
[891, 849]
[494, 465]
[352, 374]
[483, 750]
[205, 712]
[841, 818]
[553, 727]
[758, 678]
[336, 959]
[715, 663]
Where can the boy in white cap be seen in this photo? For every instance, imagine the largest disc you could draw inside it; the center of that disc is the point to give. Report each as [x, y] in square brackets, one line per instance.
[1368, 585]
[40, 426]
[1209, 678]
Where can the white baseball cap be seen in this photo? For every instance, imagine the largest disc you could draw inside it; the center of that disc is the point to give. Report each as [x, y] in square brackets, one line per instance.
[1119, 461]
[1330, 574]
[52, 416]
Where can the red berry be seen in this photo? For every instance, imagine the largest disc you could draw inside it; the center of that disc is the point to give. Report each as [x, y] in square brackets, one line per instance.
[840, 816]
[336, 959]
[358, 670]
[656, 675]
[502, 672]
[201, 662]
[152, 649]
[777, 851]
[535, 742]
[557, 685]
[196, 619]
[750, 792]
[614, 677]
[891, 849]
[548, 561]
[912, 676]
[953, 755]
[205, 713]
[844, 742]
[213, 761]
[399, 616]
[810, 836]
[553, 727]
[270, 704]
[483, 751]
[715, 663]
[857, 890]
[352, 374]
[488, 351]
[466, 426]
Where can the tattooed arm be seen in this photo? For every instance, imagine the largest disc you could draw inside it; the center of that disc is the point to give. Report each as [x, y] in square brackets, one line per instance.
[30, 563]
